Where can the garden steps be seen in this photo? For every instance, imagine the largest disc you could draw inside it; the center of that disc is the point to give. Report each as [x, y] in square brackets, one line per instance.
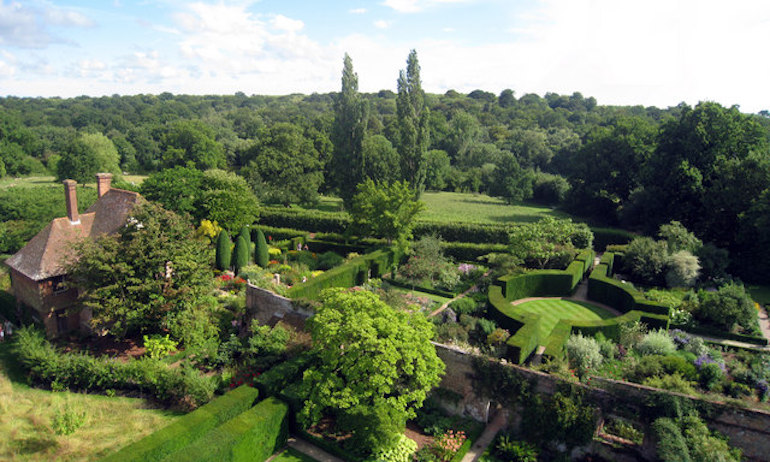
[498, 423]
[312, 450]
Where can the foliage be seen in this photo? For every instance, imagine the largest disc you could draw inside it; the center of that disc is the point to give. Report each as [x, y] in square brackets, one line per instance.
[631, 334]
[47, 365]
[546, 242]
[562, 418]
[678, 238]
[515, 451]
[191, 142]
[401, 452]
[683, 269]
[266, 340]
[729, 306]
[646, 260]
[159, 346]
[224, 251]
[385, 210]
[141, 278]
[375, 365]
[584, 353]
[413, 131]
[261, 256]
[240, 254]
[689, 439]
[672, 382]
[66, 421]
[208, 230]
[656, 342]
[427, 265]
[87, 155]
[348, 134]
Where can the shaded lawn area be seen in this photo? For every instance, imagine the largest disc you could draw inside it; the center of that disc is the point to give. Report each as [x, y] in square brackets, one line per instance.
[555, 310]
[760, 294]
[26, 419]
[292, 455]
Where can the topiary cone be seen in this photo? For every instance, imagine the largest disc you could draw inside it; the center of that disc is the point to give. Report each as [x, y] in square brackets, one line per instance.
[241, 254]
[261, 255]
[224, 251]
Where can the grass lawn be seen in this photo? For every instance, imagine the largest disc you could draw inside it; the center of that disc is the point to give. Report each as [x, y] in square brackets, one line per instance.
[29, 181]
[292, 455]
[480, 208]
[555, 310]
[26, 420]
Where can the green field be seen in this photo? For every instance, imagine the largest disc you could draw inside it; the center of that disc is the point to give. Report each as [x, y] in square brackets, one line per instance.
[465, 207]
[29, 181]
[480, 208]
[554, 310]
[760, 294]
[26, 416]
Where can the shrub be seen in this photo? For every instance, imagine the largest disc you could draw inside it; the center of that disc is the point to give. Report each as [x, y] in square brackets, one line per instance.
[677, 364]
[728, 306]
[711, 375]
[261, 252]
[515, 451]
[584, 353]
[645, 260]
[656, 342]
[224, 251]
[329, 260]
[631, 333]
[683, 269]
[498, 336]
[464, 305]
[671, 445]
[672, 382]
[159, 346]
[66, 421]
[240, 254]
[401, 452]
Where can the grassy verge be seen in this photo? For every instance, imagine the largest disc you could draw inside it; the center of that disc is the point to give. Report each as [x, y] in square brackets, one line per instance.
[26, 420]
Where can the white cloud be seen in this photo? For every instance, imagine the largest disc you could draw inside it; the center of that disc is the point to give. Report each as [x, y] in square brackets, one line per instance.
[415, 6]
[357, 11]
[381, 24]
[283, 23]
[7, 64]
[448, 29]
[28, 26]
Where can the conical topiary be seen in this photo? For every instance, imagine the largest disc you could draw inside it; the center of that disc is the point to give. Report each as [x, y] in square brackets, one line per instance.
[241, 254]
[224, 251]
[246, 234]
[261, 255]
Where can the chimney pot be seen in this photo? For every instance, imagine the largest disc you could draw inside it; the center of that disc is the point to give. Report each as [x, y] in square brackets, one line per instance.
[103, 182]
[71, 198]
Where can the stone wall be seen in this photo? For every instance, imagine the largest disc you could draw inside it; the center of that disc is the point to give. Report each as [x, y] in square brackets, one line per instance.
[266, 306]
[747, 429]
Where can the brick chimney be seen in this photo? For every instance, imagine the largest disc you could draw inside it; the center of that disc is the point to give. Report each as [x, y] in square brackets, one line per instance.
[103, 181]
[71, 198]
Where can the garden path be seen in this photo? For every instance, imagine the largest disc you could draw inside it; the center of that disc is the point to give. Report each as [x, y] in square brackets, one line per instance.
[312, 450]
[486, 438]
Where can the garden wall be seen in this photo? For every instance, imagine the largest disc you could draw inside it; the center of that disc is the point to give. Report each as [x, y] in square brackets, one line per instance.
[747, 429]
[263, 305]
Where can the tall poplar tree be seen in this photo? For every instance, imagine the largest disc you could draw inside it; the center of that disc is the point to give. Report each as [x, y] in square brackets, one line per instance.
[350, 119]
[412, 124]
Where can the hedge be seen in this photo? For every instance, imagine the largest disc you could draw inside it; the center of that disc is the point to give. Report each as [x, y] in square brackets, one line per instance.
[717, 333]
[538, 283]
[319, 246]
[618, 295]
[610, 236]
[352, 273]
[608, 259]
[427, 290]
[464, 232]
[469, 251]
[525, 340]
[278, 377]
[254, 435]
[273, 234]
[188, 428]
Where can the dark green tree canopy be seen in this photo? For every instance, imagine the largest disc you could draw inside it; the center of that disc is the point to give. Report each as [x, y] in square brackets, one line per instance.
[413, 115]
[87, 155]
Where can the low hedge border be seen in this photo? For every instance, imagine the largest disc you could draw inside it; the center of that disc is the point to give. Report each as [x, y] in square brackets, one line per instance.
[187, 429]
[253, 435]
[319, 246]
[427, 290]
[352, 273]
[713, 332]
[614, 293]
[273, 234]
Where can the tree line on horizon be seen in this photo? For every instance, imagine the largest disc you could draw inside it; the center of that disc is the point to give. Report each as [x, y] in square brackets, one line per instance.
[638, 167]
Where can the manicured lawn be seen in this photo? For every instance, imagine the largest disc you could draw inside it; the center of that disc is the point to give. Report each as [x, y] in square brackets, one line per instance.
[292, 455]
[479, 208]
[29, 181]
[555, 310]
[26, 416]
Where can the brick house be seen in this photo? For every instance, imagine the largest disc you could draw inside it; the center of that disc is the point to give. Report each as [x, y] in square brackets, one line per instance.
[37, 274]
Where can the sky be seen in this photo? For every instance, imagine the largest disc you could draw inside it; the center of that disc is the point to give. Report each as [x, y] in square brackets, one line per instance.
[622, 52]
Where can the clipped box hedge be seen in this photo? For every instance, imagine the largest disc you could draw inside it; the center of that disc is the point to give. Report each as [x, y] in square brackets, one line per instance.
[610, 236]
[720, 334]
[618, 295]
[277, 234]
[187, 429]
[470, 251]
[319, 246]
[352, 273]
[525, 340]
[254, 435]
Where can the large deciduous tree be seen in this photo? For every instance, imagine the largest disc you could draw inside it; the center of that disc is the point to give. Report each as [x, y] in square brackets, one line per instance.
[140, 279]
[86, 155]
[191, 142]
[385, 210]
[413, 115]
[549, 242]
[375, 366]
[348, 132]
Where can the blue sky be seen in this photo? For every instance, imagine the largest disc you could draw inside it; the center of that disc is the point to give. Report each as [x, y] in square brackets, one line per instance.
[652, 52]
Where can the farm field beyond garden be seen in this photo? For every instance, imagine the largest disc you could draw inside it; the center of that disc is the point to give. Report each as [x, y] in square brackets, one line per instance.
[27, 416]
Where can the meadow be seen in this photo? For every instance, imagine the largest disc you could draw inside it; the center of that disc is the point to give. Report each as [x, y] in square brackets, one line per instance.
[27, 419]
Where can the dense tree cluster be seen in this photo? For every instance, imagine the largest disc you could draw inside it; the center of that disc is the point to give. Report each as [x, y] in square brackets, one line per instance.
[705, 166]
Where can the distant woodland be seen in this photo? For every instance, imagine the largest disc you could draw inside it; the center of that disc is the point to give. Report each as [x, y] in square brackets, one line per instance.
[706, 166]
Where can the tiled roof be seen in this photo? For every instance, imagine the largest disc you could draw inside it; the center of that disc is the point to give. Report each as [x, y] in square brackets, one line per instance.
[44, 255]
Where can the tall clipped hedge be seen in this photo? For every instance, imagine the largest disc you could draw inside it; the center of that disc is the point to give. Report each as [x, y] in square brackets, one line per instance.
[189, 428]
[261, 255]
[224, 251]
[241, 254]
[618, 295]
[252, 436]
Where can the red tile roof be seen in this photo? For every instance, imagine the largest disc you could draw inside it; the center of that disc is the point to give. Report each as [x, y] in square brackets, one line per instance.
[44, 255]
